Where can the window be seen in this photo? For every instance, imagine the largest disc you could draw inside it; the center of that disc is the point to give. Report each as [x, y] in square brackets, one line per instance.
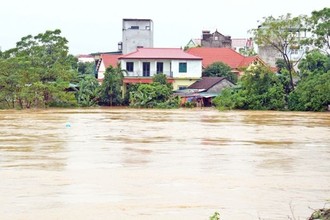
[130, 66]
[216, 38]
[160, 66]
[146, 69]
[182, 67]
[147, 27]
[182, 87]
[135, 27]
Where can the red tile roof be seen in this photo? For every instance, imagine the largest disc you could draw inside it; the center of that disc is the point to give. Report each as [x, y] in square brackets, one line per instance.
[274, 69]
[110, 59]
[226, 55]
[247, 61]
[160, 53]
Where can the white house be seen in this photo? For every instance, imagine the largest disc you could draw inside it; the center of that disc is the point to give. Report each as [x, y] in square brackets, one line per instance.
[85, 58]
[103, 62]
[241, 43]
[181, 68]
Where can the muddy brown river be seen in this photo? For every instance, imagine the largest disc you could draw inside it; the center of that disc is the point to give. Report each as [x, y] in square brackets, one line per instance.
[117, 163]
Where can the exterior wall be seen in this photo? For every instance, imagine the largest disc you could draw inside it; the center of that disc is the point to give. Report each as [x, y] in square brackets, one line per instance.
[220, 86]
[268, 54]
[86, 59]
[242, 43]
[138, 67]
[100, 73]
[170, 67]
[183, 83]
[194, 69]
[133, 37]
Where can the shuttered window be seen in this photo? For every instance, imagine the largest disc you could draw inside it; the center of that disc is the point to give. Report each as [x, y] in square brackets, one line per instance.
[182, 67]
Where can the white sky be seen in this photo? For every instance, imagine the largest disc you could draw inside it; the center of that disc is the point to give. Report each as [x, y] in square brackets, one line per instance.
[95, 26]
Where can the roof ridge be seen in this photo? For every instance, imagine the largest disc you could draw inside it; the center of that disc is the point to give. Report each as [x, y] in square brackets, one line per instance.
[219, 79]
[160, 53]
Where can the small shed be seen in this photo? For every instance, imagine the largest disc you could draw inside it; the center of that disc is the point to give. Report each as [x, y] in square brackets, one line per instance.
[204, 90]
[212, 84]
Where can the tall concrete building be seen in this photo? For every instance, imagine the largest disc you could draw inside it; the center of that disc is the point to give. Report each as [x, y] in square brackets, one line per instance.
[295, 52]
[137, 33]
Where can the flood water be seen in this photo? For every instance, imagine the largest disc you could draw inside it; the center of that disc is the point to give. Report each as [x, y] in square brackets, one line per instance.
[117, 163]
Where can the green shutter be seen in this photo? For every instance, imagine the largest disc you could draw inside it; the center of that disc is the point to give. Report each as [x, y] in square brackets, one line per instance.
[182, 67]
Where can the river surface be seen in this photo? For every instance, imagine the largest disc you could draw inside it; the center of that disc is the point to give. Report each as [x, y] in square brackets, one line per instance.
[117, 163]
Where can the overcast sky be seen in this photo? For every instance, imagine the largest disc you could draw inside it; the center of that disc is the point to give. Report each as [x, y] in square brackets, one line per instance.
[95, 26]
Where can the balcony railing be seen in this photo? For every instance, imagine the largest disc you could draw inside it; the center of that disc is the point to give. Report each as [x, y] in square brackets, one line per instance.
[147, 74]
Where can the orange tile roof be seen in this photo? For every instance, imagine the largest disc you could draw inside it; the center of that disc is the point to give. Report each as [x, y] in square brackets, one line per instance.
[160, 53]
[247, 61]
[110, 59]
[274, 69]
[226, 55]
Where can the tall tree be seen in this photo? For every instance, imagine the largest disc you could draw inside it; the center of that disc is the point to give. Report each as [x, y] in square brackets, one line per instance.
[86, 68]
[43, 68]
[9, 83]
[282, 34]
[220, 69]
[259, 89]
[319, 25]
[315, 62]
[89, 91]
[111, 93]
[313, 90]
[312, 93]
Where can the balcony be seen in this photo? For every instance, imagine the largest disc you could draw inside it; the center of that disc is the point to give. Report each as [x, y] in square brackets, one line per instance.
[138, 73]
[146, 77]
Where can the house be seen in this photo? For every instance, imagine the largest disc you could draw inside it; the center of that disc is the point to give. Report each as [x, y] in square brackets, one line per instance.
[103, 61]
[215, 39]
[212, 84]
[181, 68]
[204, 90]
[242, 44]
[235, 60]
[85, 58]
[193, 43]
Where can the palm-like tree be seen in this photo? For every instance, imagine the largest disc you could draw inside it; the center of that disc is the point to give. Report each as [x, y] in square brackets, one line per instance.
[88, 93]
[111, 86]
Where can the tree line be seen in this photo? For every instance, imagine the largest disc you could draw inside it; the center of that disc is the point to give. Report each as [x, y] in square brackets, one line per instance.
[40, 72]
[305, 89]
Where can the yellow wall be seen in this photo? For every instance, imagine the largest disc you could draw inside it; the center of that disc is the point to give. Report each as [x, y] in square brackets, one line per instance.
[183, 82]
